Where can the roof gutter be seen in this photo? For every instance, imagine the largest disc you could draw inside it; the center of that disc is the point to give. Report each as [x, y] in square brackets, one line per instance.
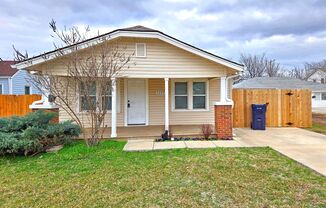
[123, 33]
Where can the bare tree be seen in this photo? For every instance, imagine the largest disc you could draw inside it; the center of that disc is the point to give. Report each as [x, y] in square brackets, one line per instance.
[272, 68]
[83, 89]
[260, 66]
[307, 70]
[300, 73]
[255, 65]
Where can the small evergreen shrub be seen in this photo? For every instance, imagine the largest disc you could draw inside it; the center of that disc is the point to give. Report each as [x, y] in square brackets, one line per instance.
[34, 133]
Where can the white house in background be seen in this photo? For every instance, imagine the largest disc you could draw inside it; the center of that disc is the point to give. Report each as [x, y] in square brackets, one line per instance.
[318, 90]
[318, 76]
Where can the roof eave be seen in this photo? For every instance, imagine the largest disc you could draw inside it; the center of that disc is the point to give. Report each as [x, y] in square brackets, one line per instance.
[125, 33]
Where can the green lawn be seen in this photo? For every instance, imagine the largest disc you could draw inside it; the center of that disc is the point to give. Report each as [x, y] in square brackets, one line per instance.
[105, 176]
[319, 128]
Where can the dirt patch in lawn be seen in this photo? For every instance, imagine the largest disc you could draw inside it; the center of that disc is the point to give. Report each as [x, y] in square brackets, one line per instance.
[318, 123]
[318, 118]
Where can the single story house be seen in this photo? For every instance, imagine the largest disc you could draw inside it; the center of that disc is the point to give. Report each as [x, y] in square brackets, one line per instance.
[318, 90]
[318, 76]
[13, 81]
[172, 83]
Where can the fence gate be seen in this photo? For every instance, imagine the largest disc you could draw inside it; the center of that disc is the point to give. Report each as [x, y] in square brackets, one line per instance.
[286, 107]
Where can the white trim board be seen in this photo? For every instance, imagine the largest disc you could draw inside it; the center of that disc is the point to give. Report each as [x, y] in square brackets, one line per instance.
[120, 33]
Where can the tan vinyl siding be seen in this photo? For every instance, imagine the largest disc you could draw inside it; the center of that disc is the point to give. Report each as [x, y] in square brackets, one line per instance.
[198, 117]
[162, 60]
[156, 106]
[156, 101]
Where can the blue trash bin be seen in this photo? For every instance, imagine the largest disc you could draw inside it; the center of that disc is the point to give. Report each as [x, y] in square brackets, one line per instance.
[258, 116]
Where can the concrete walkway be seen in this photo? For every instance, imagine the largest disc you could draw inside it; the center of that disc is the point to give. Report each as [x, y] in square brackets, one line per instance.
[306, 147]
[148, 145]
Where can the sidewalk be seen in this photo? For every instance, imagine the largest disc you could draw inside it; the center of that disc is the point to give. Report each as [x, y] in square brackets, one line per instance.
[148, 145]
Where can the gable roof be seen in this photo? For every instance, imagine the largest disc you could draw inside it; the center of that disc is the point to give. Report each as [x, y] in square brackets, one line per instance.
[323, 70]
[280, 83]
[135, 31]
[6, 70]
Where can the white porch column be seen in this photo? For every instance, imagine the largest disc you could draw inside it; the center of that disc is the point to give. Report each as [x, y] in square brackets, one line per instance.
[114, 108]
[223, 90]
[166, 101]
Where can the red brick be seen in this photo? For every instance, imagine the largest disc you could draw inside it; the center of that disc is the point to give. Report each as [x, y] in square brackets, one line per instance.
[223, 121]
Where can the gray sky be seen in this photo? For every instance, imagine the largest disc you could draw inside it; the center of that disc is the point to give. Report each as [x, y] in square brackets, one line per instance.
[291, 31]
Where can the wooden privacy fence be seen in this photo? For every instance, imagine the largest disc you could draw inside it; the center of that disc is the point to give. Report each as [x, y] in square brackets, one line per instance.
[286, 107]
[18, 105]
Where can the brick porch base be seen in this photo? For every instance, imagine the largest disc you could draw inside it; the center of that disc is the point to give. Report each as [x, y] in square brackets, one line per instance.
[223, 121]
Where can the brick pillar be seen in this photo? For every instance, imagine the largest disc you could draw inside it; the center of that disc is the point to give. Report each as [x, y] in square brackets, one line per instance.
[55, 110]
[223, 121]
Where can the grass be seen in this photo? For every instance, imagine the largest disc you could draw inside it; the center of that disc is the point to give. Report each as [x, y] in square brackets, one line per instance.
[319, 128]
[105, 176]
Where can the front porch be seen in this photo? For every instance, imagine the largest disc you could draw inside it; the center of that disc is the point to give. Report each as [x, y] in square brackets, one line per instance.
[146, 107]
[153, 131]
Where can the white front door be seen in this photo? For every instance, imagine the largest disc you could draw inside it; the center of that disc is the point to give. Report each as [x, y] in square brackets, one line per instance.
[136, 101]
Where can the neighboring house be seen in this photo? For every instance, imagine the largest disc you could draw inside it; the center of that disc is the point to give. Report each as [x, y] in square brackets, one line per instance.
[13, 81]
[318, 90]
[318, 76]
[171, 82]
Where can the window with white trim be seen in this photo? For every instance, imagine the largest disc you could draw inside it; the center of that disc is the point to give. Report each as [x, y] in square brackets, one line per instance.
[181, 95]
[87, 95]
[107, 98]
[140, 50]
[199, 95]
[190, 95]
[1, 89]
[90, 89]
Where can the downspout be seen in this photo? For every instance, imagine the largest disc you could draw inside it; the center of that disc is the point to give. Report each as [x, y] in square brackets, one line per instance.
[227, 86]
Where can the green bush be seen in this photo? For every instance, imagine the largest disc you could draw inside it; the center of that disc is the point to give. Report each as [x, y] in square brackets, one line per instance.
[34, 133]
[18, 124]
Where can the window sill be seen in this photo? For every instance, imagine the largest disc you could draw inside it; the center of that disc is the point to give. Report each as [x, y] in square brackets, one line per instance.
[189, 110]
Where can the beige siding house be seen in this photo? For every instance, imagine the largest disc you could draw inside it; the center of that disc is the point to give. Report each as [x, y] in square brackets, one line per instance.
[171, 83]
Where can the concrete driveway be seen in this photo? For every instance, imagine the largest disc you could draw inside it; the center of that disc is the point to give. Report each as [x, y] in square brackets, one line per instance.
[306, 147]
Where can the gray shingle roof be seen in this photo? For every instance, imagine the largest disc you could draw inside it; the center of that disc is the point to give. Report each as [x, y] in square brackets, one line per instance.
[139, 28]
[279, 83]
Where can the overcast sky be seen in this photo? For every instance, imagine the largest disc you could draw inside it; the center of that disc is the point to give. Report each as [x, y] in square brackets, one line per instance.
[291, 31]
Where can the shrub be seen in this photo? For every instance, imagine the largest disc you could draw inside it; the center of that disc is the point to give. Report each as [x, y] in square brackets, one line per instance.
[207, 130]
[18, 124]
[34, 133]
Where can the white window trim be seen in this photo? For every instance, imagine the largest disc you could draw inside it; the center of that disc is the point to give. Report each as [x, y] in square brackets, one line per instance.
[190, 95]
[1, 88]
[108, 111]
[145, 50]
